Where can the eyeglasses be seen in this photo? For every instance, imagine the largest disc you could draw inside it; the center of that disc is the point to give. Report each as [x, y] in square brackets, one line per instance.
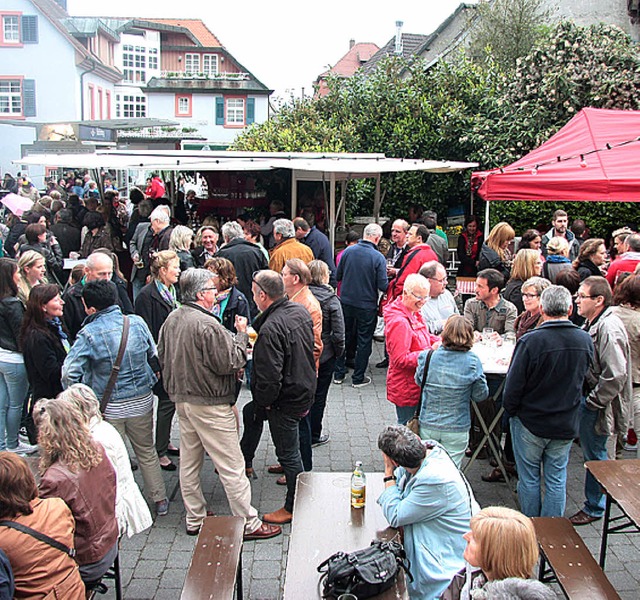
[253, 278]
[581, 296]
[209, 289]
[443, 280]
[529, 296]
[419, 298]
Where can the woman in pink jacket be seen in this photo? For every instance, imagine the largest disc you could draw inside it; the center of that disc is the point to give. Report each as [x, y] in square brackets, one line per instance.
[406, 335]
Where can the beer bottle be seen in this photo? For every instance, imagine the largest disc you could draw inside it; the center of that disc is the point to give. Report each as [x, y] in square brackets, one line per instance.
[358, 487]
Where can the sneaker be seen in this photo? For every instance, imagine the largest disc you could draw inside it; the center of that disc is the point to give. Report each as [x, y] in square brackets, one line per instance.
[383, 364]
[321, 441]
[365, 381]
[23, 448]
[162, 507]
[338, 379]
[631, 447]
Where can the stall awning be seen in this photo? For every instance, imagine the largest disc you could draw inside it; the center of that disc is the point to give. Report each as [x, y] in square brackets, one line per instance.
[594, 157]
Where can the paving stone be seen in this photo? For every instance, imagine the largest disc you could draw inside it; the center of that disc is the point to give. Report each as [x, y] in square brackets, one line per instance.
[173, 578]
[141, 589]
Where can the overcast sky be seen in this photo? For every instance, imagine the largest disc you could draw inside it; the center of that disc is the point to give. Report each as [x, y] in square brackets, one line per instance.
[286, 44]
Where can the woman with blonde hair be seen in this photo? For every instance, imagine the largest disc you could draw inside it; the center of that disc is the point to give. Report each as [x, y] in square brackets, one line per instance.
[592, 256]
[180, 242]
[154, 304]
[454, 379]
[33, 271]
[495, 253]
[501, 546]
[73, 467]
[132, 511]
[557, 258]
[526, 264]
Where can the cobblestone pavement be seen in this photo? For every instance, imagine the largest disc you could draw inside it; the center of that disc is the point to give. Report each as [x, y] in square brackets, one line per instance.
[154, 563]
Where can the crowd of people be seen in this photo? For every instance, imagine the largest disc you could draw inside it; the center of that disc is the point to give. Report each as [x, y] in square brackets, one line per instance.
[87, 364]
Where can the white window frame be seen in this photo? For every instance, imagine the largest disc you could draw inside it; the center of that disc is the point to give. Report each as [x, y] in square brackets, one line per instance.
[153, 58]
[235, 111]
[210, 64]
[11, 26]
[11, 97]
[192, 63]
[130, 106]
[184, 105]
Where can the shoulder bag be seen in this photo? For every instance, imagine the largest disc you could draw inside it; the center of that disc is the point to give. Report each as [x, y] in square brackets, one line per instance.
[414, 423]
[363, 573]
[115, 370]
[41, 537]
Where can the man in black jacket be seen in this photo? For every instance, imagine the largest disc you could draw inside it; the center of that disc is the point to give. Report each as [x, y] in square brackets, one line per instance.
[246, 258]
[542, 395]
[284, 379]
[98, 266]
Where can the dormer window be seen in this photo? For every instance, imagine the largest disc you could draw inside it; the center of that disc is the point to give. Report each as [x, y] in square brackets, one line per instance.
[192, 63]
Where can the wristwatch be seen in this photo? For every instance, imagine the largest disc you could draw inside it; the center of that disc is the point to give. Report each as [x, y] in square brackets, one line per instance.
[389, 478]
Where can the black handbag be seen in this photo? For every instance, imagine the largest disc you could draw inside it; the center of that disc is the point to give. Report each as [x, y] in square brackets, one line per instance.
[364, 573]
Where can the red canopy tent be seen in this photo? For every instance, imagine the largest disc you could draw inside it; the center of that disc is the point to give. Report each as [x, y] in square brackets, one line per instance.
[594, 157]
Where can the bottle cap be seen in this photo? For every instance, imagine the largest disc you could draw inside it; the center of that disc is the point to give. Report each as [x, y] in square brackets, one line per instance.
[358, 463]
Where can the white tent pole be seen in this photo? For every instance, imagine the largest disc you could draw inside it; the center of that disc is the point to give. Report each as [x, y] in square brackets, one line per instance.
[486, 220]
[332, 212]
[376, 200]
[294, 193]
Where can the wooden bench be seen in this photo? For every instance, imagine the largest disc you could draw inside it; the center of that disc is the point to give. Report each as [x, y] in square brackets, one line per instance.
[216, 564]
[569, 561]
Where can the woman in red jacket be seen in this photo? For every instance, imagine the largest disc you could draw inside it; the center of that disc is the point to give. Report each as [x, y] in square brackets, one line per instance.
[406, 335]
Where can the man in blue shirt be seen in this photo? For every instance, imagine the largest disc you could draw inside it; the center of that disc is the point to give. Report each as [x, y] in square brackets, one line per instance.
[363, 273]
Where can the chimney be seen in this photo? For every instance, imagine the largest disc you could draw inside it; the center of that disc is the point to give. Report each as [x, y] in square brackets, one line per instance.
[398, 48]
[352, 43]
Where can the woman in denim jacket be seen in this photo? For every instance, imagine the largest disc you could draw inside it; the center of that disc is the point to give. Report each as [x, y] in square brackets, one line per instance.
[455, 377]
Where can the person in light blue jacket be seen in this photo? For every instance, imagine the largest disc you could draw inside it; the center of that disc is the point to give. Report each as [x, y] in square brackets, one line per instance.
[130, 407]
[428, 496]
[454, 379]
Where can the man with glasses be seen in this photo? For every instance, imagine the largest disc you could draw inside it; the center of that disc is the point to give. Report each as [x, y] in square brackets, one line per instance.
[200, 359]
[608, 382]
[441, 304]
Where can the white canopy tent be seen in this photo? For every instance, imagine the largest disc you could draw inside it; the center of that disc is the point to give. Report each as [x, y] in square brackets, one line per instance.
[304, 166]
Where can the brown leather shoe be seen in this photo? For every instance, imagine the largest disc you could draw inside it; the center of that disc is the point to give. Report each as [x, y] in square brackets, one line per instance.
[275, 469]
[279, 517]
[582, 518]
[282, 480]
[264, 532]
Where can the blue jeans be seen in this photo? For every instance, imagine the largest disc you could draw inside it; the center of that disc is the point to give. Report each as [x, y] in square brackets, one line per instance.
[594, 447]
[285, 436]
[360, 322]
[14, 387]
[532, 452]
[405, 413]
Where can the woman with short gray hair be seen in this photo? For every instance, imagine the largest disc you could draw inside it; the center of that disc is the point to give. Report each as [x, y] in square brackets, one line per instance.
[427, 496]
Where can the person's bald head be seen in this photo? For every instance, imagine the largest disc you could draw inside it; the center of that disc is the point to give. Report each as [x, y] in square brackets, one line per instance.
[98, 266]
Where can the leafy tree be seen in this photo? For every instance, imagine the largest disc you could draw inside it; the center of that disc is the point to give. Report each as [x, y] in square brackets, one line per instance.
[505, 30]
[461, 110]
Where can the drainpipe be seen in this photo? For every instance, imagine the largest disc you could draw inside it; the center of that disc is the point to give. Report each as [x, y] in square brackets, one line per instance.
[93, 68]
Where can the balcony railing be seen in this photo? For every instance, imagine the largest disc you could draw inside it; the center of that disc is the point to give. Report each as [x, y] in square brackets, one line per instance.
[211, 76]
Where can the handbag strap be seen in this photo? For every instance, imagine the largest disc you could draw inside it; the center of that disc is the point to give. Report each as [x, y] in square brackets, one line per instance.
[407, 259]
[106, 396]
[424, 380]
[40, 536]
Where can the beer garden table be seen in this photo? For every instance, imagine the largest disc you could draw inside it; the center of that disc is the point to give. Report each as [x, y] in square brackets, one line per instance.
[620, 480]
[324, 523]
